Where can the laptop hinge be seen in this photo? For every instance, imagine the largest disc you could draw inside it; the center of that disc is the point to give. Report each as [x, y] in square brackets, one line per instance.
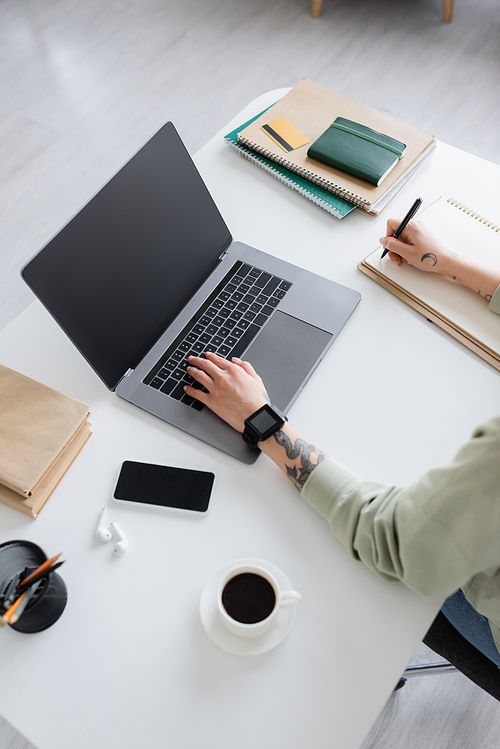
[123, 377]
[226, 249]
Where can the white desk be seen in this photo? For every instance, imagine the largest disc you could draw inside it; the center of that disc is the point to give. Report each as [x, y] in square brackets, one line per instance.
[129, 664]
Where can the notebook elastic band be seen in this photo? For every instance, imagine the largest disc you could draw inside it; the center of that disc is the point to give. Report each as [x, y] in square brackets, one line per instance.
[365, 136]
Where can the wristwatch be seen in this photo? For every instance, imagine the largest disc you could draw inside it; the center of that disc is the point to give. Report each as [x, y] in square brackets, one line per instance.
[262, 424]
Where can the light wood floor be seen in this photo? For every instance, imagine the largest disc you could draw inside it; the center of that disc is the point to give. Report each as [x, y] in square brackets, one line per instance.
[83, 84]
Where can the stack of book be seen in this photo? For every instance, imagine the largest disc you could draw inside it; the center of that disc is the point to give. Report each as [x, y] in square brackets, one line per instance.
[308, 112]
[41, 433]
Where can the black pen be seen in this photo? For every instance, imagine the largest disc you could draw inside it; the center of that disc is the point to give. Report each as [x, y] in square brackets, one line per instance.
[404, 223]
[40, 576]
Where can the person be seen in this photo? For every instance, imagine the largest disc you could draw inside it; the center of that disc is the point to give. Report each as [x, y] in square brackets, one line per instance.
[439, 536]
[419, 248]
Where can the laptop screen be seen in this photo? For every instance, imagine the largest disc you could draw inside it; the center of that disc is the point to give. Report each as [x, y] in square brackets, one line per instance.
[121, 270]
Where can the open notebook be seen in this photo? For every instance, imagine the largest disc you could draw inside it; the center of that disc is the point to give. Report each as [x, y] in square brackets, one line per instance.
[456, 309]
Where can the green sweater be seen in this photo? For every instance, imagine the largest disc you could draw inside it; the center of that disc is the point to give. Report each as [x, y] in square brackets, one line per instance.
[494, 304]
[436, 535]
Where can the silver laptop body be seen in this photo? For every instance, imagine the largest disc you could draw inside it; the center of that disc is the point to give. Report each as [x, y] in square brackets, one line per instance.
[149, 263]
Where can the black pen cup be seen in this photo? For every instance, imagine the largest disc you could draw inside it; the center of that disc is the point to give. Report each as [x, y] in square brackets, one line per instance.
[49, 601]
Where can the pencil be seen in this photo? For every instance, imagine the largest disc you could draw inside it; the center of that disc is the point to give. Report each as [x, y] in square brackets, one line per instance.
[42, 567]
[6, 617]
[26, 599]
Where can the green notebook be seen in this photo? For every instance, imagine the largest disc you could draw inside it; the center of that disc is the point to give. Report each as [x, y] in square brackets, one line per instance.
[357, 150]
[338, 207]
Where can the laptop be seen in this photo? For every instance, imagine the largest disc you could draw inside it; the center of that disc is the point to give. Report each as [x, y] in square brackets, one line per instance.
[147, 273]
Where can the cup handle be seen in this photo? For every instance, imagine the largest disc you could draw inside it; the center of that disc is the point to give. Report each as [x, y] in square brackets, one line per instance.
[290, 598]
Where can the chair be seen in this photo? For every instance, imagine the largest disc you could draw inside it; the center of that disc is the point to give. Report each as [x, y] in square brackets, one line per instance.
[446, 641]
[447, 9]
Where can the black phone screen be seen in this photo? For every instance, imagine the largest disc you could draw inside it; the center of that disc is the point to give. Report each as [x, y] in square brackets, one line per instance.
[164, 486]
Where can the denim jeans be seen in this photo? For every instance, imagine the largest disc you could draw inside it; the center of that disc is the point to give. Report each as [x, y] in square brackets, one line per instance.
[471, 625]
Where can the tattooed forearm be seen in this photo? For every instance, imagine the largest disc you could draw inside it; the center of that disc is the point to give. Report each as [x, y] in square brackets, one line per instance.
[284, 441]
[306, 458]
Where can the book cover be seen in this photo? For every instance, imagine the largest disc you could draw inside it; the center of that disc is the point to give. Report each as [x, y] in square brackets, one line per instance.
[357, 150]
[37, 424]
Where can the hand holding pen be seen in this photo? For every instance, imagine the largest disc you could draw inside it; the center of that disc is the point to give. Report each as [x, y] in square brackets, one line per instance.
[404, 223]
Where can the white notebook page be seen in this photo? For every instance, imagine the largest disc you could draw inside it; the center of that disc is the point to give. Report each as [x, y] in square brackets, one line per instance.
[462, 233]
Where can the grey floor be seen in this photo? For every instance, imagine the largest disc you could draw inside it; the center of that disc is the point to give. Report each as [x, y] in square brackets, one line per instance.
[83, 84]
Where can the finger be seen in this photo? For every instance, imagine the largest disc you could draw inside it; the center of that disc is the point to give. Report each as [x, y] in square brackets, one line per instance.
[395, 258]
[200, 376]
[246, 366]
[394, 245]
[205, 365]
[218, 360]
[198, 395]
[392, 225]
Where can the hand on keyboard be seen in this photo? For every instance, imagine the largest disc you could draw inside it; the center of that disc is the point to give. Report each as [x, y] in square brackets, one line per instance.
[234, 389]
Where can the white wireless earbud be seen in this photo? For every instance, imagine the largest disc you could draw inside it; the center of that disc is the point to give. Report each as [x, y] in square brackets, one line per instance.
[102, 533]
[122, 543]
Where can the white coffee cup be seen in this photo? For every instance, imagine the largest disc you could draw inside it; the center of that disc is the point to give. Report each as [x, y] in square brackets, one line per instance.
[249, 599]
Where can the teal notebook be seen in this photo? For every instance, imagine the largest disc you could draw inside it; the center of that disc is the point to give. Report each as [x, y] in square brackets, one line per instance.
[358, 150]
[338, 207]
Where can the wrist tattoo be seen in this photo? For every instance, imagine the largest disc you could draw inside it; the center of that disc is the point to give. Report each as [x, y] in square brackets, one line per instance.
[486, 296]
[431, 256]
[309, 456]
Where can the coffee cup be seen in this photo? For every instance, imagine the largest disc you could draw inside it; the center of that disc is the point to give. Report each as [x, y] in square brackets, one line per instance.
[249, 599]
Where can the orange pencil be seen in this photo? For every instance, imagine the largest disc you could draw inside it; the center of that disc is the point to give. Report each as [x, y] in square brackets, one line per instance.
[6, 617]
[42, 567]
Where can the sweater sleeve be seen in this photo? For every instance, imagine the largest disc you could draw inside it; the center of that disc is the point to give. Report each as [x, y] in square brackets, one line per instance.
[494, 304]
[432, 535]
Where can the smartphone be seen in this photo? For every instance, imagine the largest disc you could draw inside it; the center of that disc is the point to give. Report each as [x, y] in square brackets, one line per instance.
[153, 485]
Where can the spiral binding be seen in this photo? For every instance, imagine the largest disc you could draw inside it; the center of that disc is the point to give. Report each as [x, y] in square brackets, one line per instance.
[326, 184]
[473, 214]
[305, 193]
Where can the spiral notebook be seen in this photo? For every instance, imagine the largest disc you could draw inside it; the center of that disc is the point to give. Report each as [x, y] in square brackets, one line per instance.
[325, 199]
[453, 307]
[311, 109]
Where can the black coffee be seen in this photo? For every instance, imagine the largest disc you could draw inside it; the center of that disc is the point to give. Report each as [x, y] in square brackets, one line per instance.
[248, 598]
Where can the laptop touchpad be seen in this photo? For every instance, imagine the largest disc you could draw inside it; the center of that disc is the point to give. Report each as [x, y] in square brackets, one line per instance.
[284, 353]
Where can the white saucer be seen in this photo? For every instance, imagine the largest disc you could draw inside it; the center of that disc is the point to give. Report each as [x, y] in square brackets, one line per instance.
[225, 639]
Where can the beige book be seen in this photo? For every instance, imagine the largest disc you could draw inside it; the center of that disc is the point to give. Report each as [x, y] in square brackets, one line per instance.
[453, 307]
[33, 504]
[311, 109]
[37, 425]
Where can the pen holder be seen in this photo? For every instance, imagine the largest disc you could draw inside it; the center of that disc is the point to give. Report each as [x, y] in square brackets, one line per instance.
[50, 600]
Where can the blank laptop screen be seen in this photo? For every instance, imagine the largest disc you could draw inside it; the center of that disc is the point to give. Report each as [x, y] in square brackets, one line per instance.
[120, 271]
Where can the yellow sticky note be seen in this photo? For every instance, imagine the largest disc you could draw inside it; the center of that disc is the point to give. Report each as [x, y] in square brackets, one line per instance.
[285, 135]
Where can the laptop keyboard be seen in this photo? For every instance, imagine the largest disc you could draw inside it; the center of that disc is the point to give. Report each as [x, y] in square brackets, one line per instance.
[226, 324]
